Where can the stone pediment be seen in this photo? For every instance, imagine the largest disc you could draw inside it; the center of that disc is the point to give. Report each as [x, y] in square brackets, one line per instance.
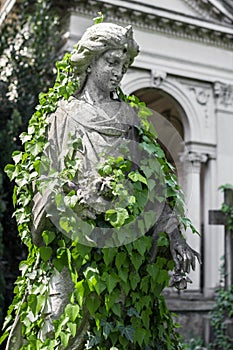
[208, 21]
[218, 11]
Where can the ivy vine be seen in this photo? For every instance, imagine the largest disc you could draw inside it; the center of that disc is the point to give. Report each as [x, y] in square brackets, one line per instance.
[31, 37]
[117, 299]
[222, 310]
[221, 313]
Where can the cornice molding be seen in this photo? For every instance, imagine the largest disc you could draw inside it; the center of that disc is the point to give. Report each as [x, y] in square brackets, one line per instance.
[160, 21]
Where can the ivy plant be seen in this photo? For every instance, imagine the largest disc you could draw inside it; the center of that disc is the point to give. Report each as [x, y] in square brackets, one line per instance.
[117, 296]
[221, 313]
[31, 35]
[222, 310]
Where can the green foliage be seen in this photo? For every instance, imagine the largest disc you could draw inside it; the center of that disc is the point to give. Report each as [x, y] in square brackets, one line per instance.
[221, 312]
[196, 343]
[116, 287]
[99, 18]
[31, 36]
[117, 291]
[226, 208]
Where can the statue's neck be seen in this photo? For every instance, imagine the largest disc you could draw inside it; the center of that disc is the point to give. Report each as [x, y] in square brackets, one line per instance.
[94, 95]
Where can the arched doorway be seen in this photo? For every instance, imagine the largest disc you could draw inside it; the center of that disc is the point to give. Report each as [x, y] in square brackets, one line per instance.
[172, 127]
[167, 119]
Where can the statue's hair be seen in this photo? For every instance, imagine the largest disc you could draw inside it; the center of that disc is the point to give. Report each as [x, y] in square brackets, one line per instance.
[98, 39]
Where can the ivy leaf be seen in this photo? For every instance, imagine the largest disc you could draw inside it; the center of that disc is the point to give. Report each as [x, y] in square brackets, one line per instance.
[17, 156]
[65, 338]
[98, 19]
[10, 171]
[24, 137]
[116, 308]
[36, 303]
[163, 277]
[4, 336]
[226, 186]
[34, 147]
[107, 327]
[117, 217]
[80, 290]
[150, 218]
[142, 244]
[72, 311]
[111, 280]
[120, 260]
[140, 336]
[137, 260]
[65, 224]
[127, 332]
[108, 255]
[92, 303]
[149, 147]
[134, 280]
[59, 200]
[45, 253]
[146, 318]
[32, 302]
[136, 176]
[48, 236]
[163, 241]
[153, 271]
[144, 285]
[133, 312]
[123, 274]
[73, 328]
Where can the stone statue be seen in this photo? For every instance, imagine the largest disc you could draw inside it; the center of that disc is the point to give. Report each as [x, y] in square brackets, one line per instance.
[102, 122]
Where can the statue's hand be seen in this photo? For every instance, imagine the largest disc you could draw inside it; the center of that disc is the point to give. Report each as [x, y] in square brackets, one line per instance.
[183, 255]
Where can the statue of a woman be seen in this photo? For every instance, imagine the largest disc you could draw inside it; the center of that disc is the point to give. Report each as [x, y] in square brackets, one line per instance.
[103, 291]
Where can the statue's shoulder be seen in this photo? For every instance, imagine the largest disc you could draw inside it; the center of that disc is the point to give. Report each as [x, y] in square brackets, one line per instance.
[65, 109]
[130, 113]
[69, 105]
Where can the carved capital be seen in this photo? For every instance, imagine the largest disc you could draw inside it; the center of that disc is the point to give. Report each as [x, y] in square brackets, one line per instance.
[194, 160]
[195, 157]
[157, 77]
[223, 94]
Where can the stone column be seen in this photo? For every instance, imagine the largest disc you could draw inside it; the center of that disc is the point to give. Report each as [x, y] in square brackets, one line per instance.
[193, 163]
[213, 235]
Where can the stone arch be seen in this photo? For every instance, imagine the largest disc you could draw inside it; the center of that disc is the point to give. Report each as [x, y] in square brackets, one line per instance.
[188, 168]
[188, 112]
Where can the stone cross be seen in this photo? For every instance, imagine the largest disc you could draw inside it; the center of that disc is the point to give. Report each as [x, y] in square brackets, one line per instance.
[217, 217]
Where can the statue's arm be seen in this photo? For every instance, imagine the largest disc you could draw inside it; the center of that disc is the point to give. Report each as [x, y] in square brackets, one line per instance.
[183, 255]
[57, 137]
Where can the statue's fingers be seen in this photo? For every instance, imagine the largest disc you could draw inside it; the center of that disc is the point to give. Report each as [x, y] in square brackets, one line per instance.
[198, 256]
[186, 263]
[176, 260]
[193, 262]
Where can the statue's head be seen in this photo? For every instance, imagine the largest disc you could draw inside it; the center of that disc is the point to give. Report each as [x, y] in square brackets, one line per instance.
[99, 39]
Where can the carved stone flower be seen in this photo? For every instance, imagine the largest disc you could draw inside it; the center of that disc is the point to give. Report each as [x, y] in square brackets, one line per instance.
[179, 280]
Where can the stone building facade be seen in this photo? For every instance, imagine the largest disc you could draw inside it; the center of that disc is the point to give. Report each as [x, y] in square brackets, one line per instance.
[184, 72]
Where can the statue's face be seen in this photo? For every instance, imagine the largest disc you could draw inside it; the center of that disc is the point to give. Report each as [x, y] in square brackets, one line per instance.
[108, 70]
